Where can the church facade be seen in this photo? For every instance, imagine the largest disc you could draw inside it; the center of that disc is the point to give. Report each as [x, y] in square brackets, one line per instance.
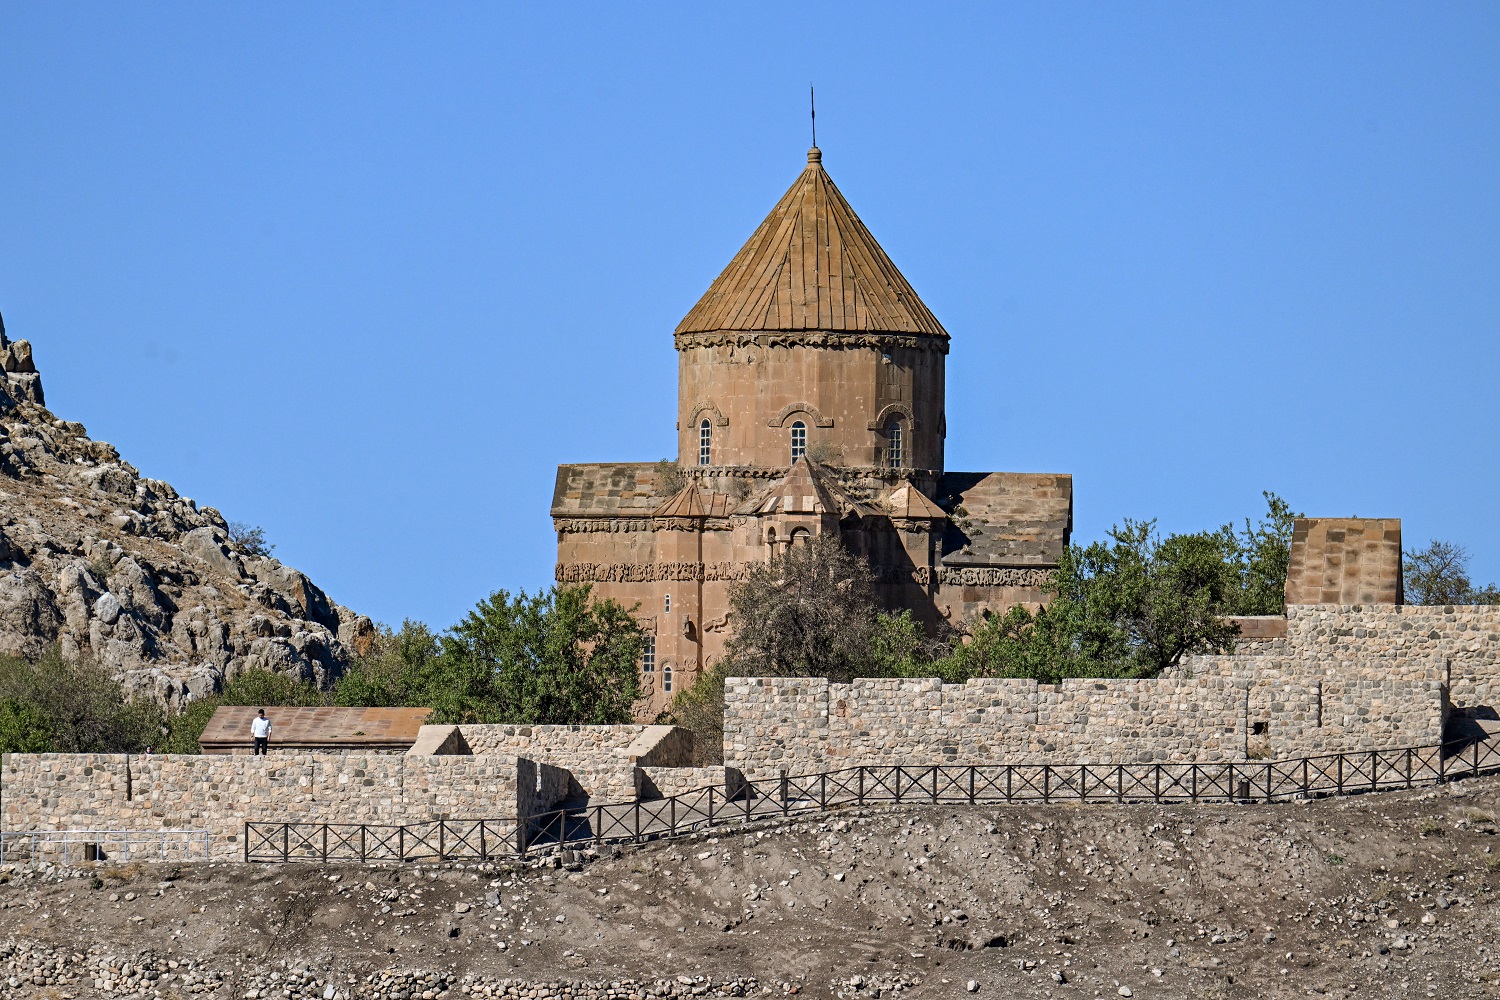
[810, 401]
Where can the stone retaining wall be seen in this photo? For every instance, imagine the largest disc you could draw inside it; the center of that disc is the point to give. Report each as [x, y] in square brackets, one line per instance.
[1225, 708]
[807, 725]
[220, 793]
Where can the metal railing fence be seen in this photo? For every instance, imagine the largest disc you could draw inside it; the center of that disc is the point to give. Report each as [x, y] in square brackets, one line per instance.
[75, 846]
[938, 784]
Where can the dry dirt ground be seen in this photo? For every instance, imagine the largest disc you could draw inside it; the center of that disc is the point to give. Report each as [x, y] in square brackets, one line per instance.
[1392, 894]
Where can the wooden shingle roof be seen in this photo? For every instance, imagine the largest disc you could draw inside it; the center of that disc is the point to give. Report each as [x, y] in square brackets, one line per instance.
[812, 265]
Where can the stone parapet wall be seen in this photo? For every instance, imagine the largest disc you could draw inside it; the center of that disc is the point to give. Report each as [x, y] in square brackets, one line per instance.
[1468, 638]
[1298, 706]
[220, 794]
[805, 725]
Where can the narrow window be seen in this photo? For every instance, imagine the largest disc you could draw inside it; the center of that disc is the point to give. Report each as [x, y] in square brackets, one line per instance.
[893, 450]
[648, 655]
[705, 442]
[799, 440]
[666, 680]
[666, 604]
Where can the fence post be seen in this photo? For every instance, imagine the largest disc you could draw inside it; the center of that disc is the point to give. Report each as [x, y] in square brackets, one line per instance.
[1231, 789]
[971, 784]
[1193, 772]
[861, 772]
[823, 790]
[1010, 771]
[1476, 758]
[401, 843]
[484, 854]
[1304, 777]
[247, 844]
[1408, 767]
[1046, 782]
[1156, 783]
[285, 840]
[599, 825]
[325, 843]
[786, 804]
[672, 815]
[1119, 782]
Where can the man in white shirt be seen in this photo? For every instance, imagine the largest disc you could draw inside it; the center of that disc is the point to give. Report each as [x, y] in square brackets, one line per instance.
[260, 728]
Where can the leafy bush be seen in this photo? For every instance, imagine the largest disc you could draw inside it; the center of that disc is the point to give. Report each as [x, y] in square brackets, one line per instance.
[558, 657]
[53, 705]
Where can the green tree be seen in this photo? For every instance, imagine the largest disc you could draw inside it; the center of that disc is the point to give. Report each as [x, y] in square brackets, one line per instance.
[808, 612]
[73, 707]
[557, 657]
[24, 728]
[1259, 557]
[1439, 574]
[395, 670]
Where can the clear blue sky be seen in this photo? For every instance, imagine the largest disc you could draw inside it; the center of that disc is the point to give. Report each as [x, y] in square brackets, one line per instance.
[364, 274]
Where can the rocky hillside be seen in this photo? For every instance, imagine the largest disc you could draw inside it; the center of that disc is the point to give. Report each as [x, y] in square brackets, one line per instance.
[106, 564]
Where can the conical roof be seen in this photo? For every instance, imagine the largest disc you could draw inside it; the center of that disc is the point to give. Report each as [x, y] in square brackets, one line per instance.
[812, 265]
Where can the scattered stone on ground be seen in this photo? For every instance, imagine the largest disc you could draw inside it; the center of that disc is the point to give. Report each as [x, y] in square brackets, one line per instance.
[1375, 895]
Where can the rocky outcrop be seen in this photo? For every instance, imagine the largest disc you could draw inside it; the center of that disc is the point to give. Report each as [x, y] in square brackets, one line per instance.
[102, 563]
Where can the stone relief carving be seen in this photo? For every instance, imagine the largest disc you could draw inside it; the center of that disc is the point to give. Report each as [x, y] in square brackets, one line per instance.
[786, 411]
[654, 572]
[715, 414]
[876, 341]
[889, 410]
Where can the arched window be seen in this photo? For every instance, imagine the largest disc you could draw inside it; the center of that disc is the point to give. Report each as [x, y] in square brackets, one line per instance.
[893, 445]
[705, 442]
[666, 604]
[799, 440]
[801, 536]
[648, 655]
[666, 679]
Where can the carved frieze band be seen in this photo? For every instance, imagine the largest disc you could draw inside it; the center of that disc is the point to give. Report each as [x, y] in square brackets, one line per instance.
[878, 341]
[650, 572]
[584, 525]
[923, 576]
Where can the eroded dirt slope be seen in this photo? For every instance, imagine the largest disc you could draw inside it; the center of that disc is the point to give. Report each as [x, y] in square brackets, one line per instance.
[1378, 895]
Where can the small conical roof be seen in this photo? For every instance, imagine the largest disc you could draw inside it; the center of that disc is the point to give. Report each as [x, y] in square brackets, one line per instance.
[812, 265]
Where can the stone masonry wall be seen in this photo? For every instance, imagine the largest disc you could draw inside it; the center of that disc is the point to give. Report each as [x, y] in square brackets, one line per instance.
[1298, 707]
[806, 725]
[1468, 638]
[220, 793]
[604, 761]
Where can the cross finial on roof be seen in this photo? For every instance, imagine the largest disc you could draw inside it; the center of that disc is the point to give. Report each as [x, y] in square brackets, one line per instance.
[812, 104]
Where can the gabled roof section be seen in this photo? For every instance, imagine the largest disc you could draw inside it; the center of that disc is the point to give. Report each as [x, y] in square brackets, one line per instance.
[908, 502]
[693, 501]
[812, 265]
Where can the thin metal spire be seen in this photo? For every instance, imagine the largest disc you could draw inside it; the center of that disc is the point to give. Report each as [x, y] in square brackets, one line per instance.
[812, 103]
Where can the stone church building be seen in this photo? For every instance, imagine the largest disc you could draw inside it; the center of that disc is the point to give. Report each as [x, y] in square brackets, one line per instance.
[810, 401]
